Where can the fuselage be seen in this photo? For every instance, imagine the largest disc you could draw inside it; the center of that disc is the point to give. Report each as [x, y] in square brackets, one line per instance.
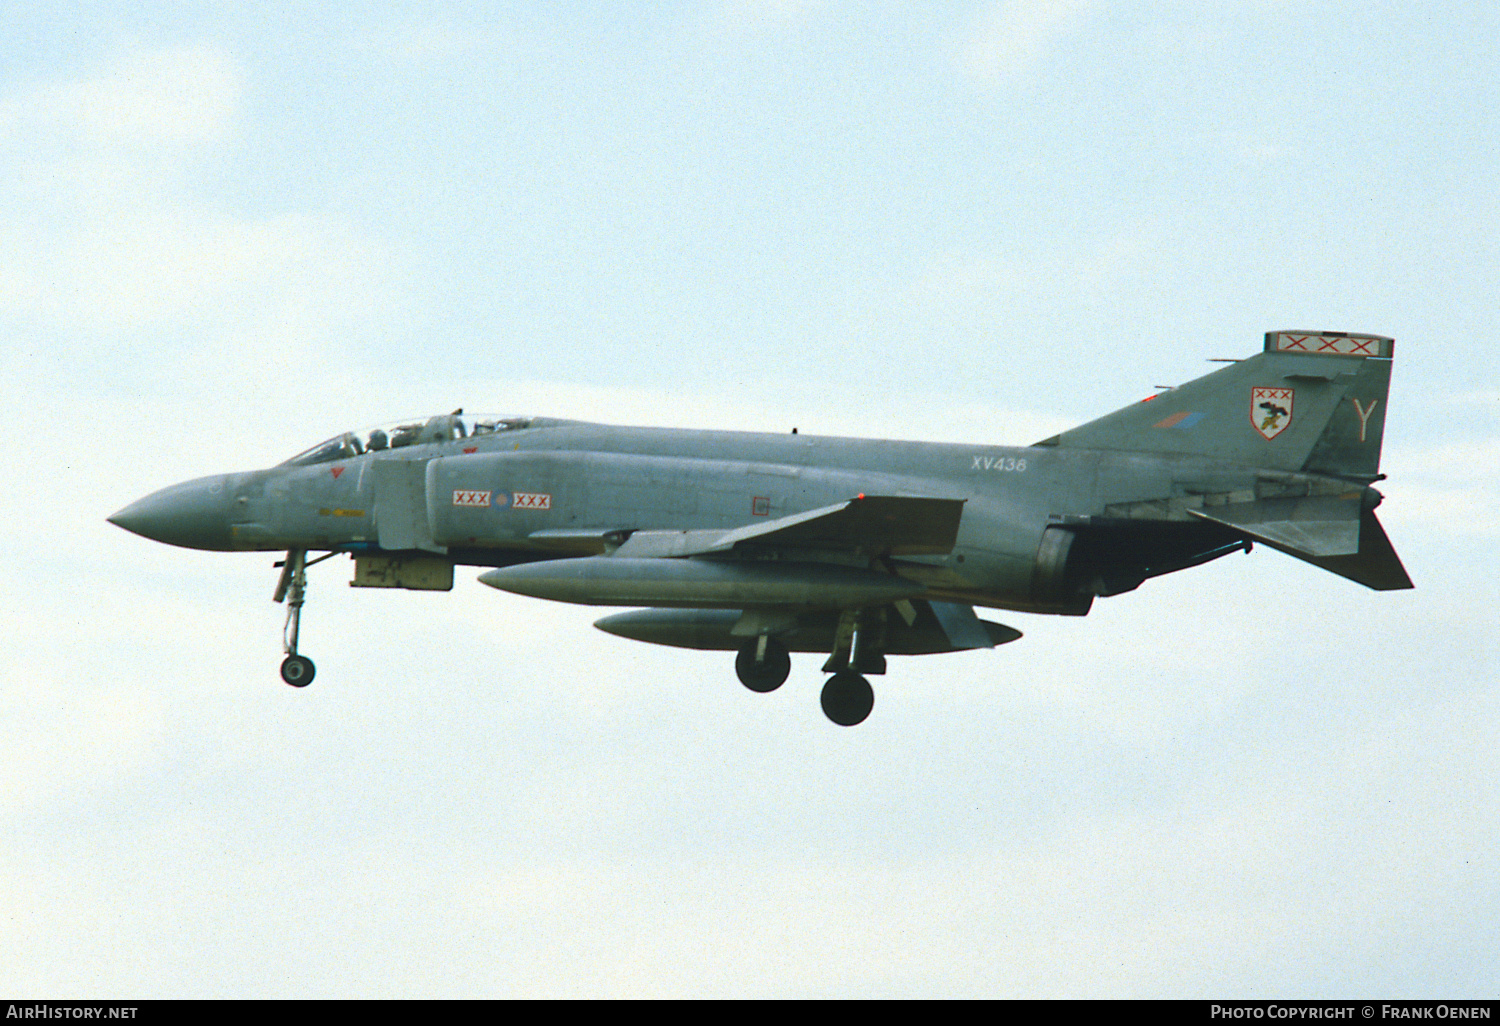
[772, 544]
[545, 489]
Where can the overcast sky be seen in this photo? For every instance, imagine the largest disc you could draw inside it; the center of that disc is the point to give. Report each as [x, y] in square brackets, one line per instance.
[228, 231]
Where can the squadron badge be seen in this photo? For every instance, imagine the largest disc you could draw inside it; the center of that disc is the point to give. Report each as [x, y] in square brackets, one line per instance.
[1270, 410]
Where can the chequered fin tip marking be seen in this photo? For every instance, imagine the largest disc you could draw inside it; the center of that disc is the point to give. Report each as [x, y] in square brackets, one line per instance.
[1329, 344]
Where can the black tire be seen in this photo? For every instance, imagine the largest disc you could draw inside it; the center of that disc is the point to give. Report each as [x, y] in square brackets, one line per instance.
[847, 699]
[768, 674]
[298, 671]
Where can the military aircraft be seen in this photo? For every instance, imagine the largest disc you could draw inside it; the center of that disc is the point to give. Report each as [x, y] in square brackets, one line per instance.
[766, 544]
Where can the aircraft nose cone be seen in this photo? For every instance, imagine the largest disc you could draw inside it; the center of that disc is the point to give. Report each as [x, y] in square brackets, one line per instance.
[194, 514]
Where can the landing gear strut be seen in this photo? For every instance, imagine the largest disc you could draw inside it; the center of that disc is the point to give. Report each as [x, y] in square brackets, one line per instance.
[296, 670]
[858, 648]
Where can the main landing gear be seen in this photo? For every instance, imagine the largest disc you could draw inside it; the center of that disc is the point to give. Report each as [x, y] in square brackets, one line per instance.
[847, 698]
[296, 670]
[763, 665]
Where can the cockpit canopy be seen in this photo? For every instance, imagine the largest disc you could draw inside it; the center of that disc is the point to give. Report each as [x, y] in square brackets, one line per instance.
[447, 427]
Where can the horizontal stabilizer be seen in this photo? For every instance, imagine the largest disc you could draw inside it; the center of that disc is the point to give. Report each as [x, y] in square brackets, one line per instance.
[1319, 525]
[1373, 562]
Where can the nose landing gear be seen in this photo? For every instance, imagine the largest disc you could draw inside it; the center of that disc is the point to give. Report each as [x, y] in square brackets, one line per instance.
[296, 670]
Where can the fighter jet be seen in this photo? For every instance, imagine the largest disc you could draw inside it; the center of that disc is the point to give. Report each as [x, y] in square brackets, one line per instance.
[769, 544]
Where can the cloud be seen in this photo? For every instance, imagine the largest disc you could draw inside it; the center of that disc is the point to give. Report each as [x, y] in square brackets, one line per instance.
[141, 101]
[754, 17]
[1437, 488]
[1014, 36]
[90, 732]
[426, 42]
[127, 270]
[1253, 776]
[116, 255]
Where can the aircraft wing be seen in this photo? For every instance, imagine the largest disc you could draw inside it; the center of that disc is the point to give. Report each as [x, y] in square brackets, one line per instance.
[877, 524]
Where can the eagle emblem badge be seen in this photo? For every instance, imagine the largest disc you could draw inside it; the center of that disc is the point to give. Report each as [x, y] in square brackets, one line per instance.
[1271, 410]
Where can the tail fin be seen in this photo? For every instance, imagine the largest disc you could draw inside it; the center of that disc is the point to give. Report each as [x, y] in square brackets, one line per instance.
[1312, 401]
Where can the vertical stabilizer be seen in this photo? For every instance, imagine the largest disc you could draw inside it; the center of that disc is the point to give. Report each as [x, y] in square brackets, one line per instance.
[1311, 401]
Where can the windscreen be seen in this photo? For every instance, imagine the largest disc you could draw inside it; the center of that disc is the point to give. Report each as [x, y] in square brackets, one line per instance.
[445, 427]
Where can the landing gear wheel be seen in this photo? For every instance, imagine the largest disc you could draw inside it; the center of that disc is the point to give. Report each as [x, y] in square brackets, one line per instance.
[847, 698]
[770, 672]
[297, 671]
